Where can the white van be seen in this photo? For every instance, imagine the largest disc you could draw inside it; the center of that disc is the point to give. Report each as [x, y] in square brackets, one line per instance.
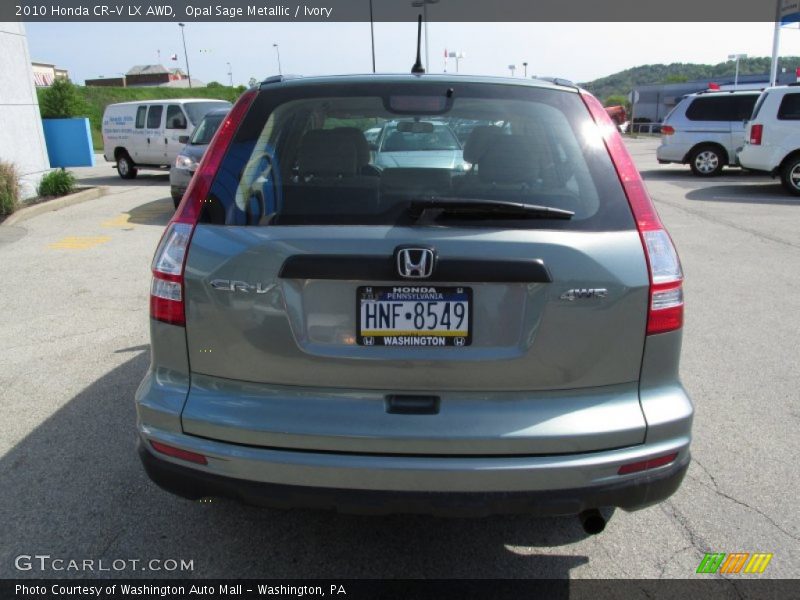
[150, 134]
[705, 129]
[772, 140]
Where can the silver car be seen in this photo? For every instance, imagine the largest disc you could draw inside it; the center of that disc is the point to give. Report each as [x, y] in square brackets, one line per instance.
[427, 144]
[705, 130]
[330, 334]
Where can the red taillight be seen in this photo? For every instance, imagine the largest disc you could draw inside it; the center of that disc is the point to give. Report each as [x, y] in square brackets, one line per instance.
[166, 288]
[179, 453]
[667, 130]
[644, 465]
[756, 134]
[665, 311]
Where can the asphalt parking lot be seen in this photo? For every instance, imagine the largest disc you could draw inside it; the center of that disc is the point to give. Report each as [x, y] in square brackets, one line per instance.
[74, 346]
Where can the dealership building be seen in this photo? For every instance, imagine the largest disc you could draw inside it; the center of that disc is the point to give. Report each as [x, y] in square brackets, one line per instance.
[21, 136]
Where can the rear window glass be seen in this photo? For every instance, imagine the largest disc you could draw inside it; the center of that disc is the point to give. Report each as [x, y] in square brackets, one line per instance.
[198, 110]
[722, 108]
[790, 108]
[206, 130]
[354, 154]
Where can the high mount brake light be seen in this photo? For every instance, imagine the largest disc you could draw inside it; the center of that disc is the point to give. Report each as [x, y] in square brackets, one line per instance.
[665, 311]
[167, 302]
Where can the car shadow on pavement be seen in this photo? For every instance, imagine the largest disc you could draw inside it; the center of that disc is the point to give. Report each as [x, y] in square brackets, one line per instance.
[672, 174]
[74, 488]
[157, 212]
[769, 193]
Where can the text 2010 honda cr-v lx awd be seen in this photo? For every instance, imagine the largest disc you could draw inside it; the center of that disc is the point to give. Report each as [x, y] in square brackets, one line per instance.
[500, 336]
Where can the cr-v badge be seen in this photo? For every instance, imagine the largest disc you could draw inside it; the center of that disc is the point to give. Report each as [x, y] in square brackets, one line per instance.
[584, 293]
[227, 285]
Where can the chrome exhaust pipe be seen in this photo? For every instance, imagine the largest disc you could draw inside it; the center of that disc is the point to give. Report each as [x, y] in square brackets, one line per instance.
[592, 521]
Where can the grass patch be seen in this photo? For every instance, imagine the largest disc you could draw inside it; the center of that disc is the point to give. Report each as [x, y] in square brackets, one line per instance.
[9, 189]
[57, 183]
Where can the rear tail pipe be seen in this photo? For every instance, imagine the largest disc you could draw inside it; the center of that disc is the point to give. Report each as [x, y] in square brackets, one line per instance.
[592, 521]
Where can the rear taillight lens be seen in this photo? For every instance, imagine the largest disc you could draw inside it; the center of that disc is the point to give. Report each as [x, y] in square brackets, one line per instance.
[666, 282]
[166, 289]
[665, 311]
[667, 130]
[167, 302]
[756, 134]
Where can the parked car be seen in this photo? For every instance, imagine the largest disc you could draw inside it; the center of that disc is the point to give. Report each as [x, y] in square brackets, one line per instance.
[325, 335]
[150, 134]
[772, 140]
[372, 134]
[186, 162]
[705, 130]
[409, 143]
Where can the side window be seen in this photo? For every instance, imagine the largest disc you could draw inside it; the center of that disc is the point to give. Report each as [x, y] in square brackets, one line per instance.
[713, 109]
[154, 116]
[744, 106]
[175, 117]
[790, 108]
[141, 114]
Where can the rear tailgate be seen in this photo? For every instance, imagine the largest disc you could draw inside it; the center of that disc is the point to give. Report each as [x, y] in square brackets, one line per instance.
[548, 360]
[282, 368]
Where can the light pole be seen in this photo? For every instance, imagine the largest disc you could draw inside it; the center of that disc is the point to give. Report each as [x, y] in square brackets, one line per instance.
[512, 68]
[424, 5]
[458, 56]
[525, 66]
[737, 58]
[372, 34]
[185, 54]
[278, 50]
[230, 73]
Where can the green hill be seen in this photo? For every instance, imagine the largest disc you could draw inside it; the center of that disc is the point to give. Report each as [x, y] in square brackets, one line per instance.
[623, 82]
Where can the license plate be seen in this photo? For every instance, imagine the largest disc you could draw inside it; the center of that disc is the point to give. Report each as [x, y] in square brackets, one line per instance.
[416, 316]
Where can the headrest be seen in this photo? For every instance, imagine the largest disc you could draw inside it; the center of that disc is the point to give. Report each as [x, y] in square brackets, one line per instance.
[509, 159]
[478, 141]
[326, 153]
[356, 136]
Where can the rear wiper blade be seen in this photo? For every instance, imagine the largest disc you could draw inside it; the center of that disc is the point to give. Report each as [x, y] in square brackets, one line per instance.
[486, 208]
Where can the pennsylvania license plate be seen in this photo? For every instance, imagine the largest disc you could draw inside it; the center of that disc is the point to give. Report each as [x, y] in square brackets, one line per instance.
[414, 316]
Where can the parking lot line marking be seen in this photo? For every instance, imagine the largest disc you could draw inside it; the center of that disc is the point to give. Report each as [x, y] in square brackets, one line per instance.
[119, 221]
[79, 242]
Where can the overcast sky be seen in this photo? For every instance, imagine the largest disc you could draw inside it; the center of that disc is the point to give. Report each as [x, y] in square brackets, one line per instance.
[576, 51]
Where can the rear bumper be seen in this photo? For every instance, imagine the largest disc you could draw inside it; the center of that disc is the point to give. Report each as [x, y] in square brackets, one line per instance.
[758, 158]
[671, 153]
[631, 493]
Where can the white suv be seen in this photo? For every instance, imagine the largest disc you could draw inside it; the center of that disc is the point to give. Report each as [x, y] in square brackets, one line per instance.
[705, 129]
[772, 140]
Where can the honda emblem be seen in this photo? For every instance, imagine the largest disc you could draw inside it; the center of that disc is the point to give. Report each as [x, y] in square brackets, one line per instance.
[415, 263]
